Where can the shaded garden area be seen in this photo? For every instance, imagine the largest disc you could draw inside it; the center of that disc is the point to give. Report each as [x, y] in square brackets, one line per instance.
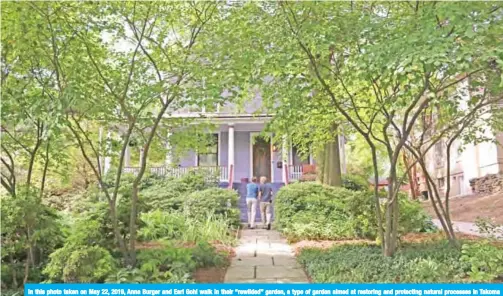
[186, 230]
[335, 232]
[85, 83]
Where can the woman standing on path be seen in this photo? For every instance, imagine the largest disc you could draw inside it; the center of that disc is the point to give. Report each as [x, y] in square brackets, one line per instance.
[251, 201]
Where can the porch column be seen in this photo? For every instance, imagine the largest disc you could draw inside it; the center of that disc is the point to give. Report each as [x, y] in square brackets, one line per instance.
[108, 158]
[230, 158]
[284, 158]
[169, 152]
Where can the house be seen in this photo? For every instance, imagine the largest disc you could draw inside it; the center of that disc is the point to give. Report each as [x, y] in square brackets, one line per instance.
[474, 161]
[238, 152]
[468, 162]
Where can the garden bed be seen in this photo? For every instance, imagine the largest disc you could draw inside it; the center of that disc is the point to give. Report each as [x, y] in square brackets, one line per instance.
[215, 274]
[423, 257]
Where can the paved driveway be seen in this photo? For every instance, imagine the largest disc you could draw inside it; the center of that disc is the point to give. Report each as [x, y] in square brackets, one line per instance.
[467, 227]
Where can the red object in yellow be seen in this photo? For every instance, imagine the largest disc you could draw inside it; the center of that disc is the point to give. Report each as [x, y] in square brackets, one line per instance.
[308, 169]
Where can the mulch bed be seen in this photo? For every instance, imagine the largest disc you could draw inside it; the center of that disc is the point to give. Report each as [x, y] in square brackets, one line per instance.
[409, 238]
[211, 274]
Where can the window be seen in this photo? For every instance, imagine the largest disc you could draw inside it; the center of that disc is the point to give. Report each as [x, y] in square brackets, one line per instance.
[209, 157]
[297, 159]
[441, 183]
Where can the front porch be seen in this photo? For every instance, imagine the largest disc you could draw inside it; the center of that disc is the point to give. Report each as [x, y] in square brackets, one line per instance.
[237, 153]
[295, 172]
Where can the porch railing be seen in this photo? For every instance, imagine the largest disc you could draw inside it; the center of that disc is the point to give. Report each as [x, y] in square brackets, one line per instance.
[220, 171]
[295, 172]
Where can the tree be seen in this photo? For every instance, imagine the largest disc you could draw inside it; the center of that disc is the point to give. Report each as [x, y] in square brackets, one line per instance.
[463, 118]
[379, 66]
[146, 65]
[391, 62]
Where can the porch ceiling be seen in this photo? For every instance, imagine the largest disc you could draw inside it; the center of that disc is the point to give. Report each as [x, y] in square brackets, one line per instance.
[220, 117]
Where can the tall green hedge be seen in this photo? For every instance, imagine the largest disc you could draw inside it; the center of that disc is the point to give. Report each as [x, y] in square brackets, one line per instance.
[315, 211]
[212, 201]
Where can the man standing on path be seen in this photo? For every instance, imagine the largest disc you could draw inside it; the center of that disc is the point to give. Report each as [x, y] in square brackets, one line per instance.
[265, 197]
[251, 201]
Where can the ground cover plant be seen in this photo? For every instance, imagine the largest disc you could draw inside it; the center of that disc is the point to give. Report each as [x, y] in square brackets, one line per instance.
[314, 211]
[426, 262]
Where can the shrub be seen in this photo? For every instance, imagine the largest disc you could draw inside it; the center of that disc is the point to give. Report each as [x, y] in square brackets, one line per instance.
[200, 179]
[177, 226]
[413, 217]
[83, 264]
[162, 264]
[159, 224]
[166, 196]
[434, 262]
[314, 211]
[83, 258]
[169, 264]
[168, 193]
[354, 182]
[206, 255]
[485, 261]
[213, 202]
[29, 229]
[289, 200]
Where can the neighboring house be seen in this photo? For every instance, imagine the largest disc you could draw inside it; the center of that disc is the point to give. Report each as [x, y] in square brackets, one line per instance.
[474, 161]
[237, 153]
[467, 162]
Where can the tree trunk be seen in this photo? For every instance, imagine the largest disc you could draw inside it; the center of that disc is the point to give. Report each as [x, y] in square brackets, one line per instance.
[334, 175]
[33, 155]
[27, 266]
[415, 187]
[436, 203]
[377, 203]
[409, 175]
[326, 163]
[46, 166]
[14, 272]
[117, 233]
[321, 164]
[391, 231]
[132, 224]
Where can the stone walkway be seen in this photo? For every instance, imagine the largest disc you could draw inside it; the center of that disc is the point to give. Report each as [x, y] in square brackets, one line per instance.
[262, 256]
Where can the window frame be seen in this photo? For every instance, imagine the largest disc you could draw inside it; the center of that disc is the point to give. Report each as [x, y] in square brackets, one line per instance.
[293, 149]
[217, 152]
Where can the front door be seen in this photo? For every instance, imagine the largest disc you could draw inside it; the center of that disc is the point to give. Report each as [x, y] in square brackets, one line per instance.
[261, 157]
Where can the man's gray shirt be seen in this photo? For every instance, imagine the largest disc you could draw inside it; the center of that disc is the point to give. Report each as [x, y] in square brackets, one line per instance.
[266, 190]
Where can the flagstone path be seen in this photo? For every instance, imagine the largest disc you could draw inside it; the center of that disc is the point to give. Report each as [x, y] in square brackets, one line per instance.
[262, 256]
